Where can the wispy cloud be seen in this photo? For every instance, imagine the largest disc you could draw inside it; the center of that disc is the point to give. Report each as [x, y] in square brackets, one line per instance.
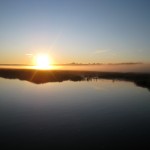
[101, 51]
[29, 54]
[105, 52]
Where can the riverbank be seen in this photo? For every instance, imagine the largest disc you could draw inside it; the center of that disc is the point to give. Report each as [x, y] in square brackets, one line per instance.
[44, 76]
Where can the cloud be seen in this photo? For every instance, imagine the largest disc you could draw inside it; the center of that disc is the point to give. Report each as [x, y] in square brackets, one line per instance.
[29, 55]
[100, 51]
[105, 52]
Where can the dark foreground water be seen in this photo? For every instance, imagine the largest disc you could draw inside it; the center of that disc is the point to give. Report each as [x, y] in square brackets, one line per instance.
[98, 113]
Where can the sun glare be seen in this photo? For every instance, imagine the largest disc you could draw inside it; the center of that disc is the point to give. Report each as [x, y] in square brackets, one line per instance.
[43, 62]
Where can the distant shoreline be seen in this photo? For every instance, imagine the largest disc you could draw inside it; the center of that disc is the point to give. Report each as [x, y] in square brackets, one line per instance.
[45, 76]
[111, 67]
[80, 64]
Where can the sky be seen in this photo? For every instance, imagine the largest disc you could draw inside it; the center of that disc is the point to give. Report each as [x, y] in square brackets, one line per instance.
[82, 31]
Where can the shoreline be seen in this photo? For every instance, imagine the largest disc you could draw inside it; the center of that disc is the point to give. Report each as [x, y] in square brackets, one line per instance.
[45, 76]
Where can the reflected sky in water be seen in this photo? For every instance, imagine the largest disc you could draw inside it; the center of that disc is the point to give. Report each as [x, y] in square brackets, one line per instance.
[100, 112]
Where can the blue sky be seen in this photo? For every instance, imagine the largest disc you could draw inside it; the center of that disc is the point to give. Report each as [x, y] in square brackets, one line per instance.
[75, 30]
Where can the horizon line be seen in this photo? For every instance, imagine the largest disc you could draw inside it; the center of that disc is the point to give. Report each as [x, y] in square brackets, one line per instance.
[73, 63]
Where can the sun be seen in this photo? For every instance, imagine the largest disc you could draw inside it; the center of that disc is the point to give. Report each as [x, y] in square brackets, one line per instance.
[43, 61]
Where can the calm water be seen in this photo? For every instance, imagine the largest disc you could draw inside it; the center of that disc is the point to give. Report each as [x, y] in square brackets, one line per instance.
[99, 113]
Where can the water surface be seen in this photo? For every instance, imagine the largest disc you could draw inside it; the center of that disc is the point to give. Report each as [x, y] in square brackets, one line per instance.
[99, 113]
